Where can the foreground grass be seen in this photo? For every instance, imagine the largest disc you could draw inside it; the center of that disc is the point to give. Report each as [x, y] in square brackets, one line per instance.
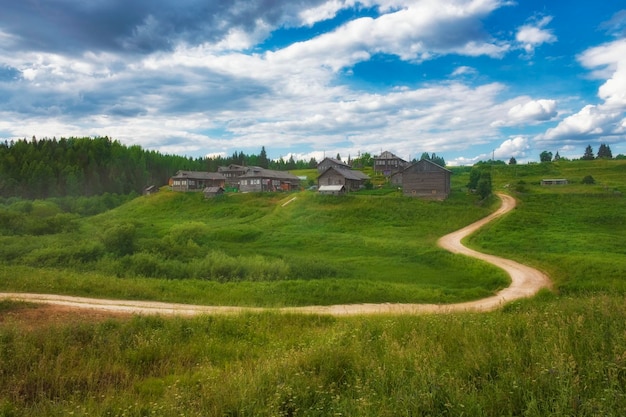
[553, 356]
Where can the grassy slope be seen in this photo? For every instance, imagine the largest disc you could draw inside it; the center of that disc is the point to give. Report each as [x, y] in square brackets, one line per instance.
[314, 250]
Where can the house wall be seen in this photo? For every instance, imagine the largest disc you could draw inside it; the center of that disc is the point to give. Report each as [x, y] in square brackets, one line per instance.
[426, 182]
[194, 184]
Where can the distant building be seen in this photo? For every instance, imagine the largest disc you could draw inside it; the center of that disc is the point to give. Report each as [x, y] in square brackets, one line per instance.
[353, 180]
[332, 189]
[388, 164]
[554, 181]
[331, 163]
[232, 173]
[210, 192]
[258, 179]
[424, 179]
[196, 180]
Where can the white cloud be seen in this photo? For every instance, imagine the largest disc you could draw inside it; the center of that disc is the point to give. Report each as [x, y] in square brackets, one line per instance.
[516, 147]
[607, 118]
[533, 110]
[532, 35]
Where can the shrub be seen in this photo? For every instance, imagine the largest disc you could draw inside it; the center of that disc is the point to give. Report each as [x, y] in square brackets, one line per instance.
[120, 239]
[588, 180]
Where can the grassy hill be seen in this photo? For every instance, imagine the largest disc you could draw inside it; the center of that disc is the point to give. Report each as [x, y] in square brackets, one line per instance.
[257, 249]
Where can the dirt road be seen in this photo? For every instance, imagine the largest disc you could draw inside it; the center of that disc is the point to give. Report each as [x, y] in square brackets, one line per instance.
[525, 282]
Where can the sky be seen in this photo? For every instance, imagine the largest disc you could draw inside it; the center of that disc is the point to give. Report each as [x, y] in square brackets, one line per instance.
[466, 79]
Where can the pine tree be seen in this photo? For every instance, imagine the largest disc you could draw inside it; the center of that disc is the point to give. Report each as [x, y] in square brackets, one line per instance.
[588, 156]
[604, 152]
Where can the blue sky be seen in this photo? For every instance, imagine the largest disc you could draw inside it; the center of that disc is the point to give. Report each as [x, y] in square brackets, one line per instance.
[466, 79]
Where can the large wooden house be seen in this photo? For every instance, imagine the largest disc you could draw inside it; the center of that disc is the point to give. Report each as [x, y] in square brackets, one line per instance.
[331, 163]
[196, 180]
[424, 179]
[232, 173]
[388, 164]
[353, 180]
[258, 179]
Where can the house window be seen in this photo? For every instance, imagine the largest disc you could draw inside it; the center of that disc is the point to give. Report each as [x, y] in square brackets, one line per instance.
[244, 182]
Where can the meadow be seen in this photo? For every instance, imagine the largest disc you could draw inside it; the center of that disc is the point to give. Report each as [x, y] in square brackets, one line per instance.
[562, 353]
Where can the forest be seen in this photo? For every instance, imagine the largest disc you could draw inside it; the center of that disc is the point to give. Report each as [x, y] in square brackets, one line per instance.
[72, 167]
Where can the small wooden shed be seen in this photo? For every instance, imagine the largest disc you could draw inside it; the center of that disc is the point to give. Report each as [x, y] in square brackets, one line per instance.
[210, 192]
[332, 189]
[554, 181]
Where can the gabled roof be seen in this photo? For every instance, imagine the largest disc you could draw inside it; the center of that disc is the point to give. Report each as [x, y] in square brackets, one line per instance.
[425, 161]
[257, 172]
[350, 174]
[388, 155]
[335, 161]
[199, 175]
[231, 167]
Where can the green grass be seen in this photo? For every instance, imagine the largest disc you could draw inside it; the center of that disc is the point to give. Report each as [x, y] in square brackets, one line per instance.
[557, 357]
[252, 249]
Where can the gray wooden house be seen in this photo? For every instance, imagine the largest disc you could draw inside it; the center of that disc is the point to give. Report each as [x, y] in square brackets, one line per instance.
[352, 180]
[196, 180]
[232, 173]
[424, 179]
[258, 179]
[388, 164]
[331, 163]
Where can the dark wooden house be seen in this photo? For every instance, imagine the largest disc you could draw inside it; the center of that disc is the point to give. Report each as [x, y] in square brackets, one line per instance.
[352, 180]
[425, 179]
[331, 163]
[388, 164]
[196, 180]
[260, 180]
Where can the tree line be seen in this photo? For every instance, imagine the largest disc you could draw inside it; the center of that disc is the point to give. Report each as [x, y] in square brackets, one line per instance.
[66, 167]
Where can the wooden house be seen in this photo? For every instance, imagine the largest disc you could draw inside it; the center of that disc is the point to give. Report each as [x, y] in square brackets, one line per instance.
[425, 179]
[352, 180]
[210, 192]
[388, 164]
[331, 163]
[258, 179]
[196, 180]
[232, 173]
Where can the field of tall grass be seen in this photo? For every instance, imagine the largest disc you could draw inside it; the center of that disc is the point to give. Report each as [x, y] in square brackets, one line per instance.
[562, 353]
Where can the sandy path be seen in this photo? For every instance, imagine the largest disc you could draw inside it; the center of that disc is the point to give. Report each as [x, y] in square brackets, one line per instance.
[525, 282]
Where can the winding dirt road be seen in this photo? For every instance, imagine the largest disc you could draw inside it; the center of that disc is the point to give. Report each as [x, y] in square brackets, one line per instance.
[525, 282]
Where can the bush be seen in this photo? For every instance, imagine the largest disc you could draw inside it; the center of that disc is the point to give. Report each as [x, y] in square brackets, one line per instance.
[120, 239]
[588, 180]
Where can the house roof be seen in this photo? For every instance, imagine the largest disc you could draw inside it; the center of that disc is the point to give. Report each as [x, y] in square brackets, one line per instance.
[231, 167]
[350, 174]
[425, 161]
[388, 155]
[213, 190]
[199, 175]
[335, 162]
[331, 188]
[257, 172]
